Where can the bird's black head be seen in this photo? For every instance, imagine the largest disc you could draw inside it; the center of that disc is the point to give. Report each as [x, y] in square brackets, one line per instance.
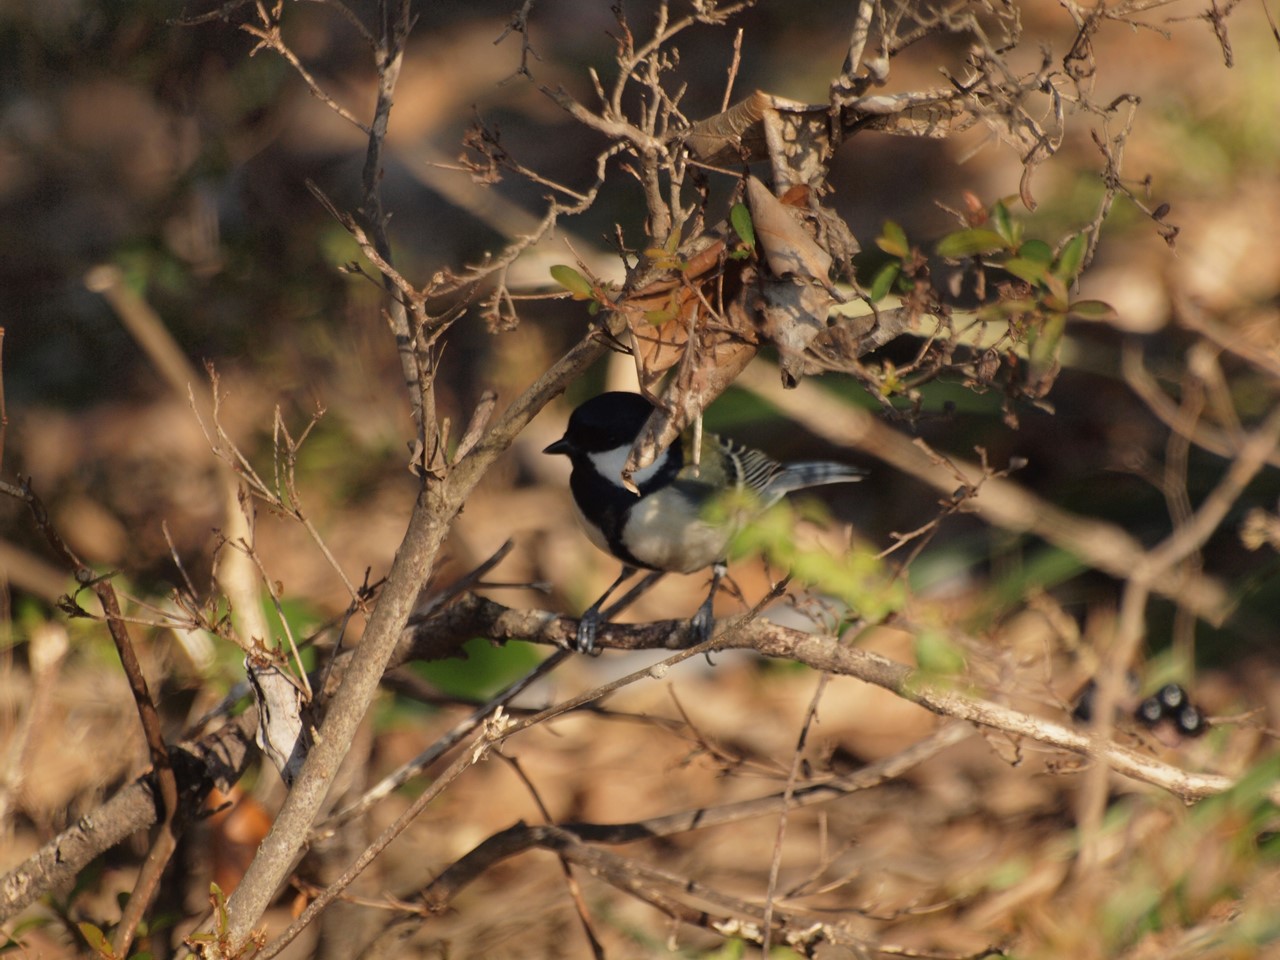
[604, 422]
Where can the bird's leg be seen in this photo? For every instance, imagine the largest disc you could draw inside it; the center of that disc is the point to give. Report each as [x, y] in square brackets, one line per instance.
[632, 595]
[590, 622]
[704, 620]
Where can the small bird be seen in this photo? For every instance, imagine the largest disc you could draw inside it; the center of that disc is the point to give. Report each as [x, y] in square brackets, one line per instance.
[664, 527]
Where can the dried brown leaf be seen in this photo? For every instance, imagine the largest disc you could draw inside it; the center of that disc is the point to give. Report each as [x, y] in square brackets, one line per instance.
[731, 136]
[738, 135]
[799, 144]
[793, 313]
[789, 249]
[661, 312]
[723, 346]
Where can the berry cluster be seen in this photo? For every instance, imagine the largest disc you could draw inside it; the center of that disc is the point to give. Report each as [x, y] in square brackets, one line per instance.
[1171, 702]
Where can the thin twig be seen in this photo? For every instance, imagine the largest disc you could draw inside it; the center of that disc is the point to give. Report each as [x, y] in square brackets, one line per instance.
[1154, 566]
[269, 36]
[514, 840]
[734, 64]
[575, 889]
[1204, 435]
[793, 775]
[165, 843]
[459, 732]
[1002, 502]
[481, 749]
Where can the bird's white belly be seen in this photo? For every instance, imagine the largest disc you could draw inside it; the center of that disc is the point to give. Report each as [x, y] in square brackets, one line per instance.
[666, 533]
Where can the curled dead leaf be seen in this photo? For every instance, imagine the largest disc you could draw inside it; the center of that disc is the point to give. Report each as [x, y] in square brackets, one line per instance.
[789, 249]
[696, 384]
[792, 314]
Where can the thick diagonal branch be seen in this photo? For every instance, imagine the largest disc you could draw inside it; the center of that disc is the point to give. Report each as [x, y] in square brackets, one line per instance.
[437, 505]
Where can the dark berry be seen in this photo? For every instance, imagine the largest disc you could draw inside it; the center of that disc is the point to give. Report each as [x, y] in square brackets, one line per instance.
[1190, 721]
[1150, 711]
[1172, 696]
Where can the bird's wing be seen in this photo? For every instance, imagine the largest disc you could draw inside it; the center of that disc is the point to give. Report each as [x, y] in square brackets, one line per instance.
[749, 469]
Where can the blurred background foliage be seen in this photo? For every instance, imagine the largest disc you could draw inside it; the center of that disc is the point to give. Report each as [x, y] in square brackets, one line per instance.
[172, 153]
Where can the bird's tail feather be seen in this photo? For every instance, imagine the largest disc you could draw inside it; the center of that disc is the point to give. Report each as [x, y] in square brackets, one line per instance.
[798, 476]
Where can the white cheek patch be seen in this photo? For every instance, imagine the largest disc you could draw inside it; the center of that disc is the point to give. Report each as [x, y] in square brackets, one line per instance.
[609, 465]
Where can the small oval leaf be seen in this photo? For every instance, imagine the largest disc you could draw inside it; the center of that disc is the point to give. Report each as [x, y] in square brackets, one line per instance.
[893, 240]
[1005, 309]
[1044, 346]
[1057, 297]
[660, 317]
[1072, 258]
[740, 218]
[1036, 250]
[1032, 271]
[1000, 220]
[1093, 310]
[572, 281]
[883, 280]
[969, 243]
[96, 939]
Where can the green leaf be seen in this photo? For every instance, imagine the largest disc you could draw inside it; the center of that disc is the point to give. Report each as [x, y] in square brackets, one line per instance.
[937, 655]
[96, 939]
[1036, 250]
[572, 281]
[1057, 297]
[486, 668]
[893, 240]
[219, 907]
[1093, 310]
[1000, 220]
[883, 280]
[1004, 309]
[660, 317]
[1072, 258]
[1032, 271]
[1044, 346]
[969, 243]
[665, 259]
[734, 949]
[740, 218]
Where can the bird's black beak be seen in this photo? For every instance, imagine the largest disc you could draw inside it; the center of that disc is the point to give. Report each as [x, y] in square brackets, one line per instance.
[560, 446]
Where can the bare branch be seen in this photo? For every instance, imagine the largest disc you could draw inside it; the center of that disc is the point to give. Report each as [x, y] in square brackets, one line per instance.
[218, 760]
[436, 506]
[270, 37]
[471, 616]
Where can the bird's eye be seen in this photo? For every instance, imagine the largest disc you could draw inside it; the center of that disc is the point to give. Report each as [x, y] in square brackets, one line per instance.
[602, 437]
